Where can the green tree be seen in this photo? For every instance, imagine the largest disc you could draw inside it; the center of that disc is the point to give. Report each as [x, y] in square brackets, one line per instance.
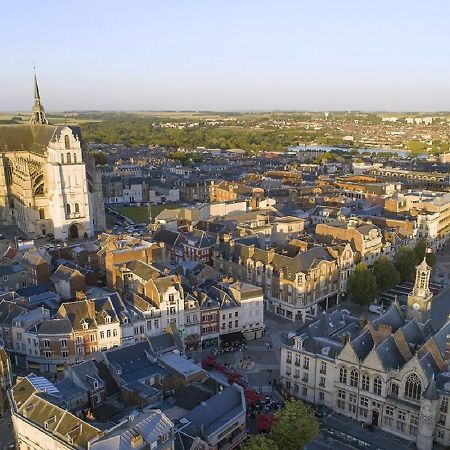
[386, 274]
[420, 251]
[260, 442]
[405, 263]
[295, 426]
[362, 285]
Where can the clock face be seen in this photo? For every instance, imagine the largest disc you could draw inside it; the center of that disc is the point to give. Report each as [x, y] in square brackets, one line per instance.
[416, 307]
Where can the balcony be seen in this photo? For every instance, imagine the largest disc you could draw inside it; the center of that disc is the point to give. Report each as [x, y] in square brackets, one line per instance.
[305, 379]
[297, 363]
[72, 216]
[306, 366]
[323, 371]
[288, 361]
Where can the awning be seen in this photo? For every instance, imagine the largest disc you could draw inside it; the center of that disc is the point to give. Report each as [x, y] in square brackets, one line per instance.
[231, 338]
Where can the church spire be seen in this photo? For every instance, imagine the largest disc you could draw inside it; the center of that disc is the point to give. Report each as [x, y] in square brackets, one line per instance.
[38, 112]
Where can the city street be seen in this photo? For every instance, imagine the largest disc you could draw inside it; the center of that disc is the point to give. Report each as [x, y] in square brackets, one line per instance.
[6, 433]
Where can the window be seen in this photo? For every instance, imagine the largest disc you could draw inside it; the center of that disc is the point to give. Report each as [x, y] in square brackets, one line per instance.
[69, 158]
[65, 354]
[441, 434]
[343, 375]
[63, 343]
[414, 424]
[62, 158]
[68, 208]
[171, 298]
[365, 382]
[394, 390]
[41, 214]
[442, 419]
[79, 340]
[413, 387]
[341, 396]
[389, 411]
[48, 354]
[354, 378]
[102, 335]
[322, 382]
[108, 333]
[321, 396]
[46, 343]
[444, 404]
[75, 158]
[306, 363]
[77, 210]
[323, 367]
[67, 142]
[377, 386]
[304, 392]
[115, 333]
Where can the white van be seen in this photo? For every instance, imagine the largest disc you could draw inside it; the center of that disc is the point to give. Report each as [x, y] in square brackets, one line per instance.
[377, 309]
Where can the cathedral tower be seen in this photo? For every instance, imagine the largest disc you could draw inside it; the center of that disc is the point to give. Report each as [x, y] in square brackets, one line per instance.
[419, 301]
[38, 112]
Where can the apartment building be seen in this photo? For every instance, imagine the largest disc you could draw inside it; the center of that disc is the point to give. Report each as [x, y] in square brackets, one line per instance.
[364, 237]
[296, 281]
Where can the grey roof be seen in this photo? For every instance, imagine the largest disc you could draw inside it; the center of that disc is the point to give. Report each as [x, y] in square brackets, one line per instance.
[55, 326]
[216, 412]
[390, 355]
[69, 390]
[363, 344]
[431, 390]
[133, 362]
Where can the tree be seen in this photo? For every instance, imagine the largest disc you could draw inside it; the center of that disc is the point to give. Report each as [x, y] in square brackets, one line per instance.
[386, 274]
[405, 263]
[295, 426]
[260, 442]
[420, 251]
[362, 285]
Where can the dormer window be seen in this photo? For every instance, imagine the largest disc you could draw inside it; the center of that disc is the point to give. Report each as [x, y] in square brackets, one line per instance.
[108, 319]
[84, 325]
[67, 142]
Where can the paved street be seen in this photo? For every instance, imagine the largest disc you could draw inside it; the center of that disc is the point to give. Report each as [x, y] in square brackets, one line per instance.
[6, 433]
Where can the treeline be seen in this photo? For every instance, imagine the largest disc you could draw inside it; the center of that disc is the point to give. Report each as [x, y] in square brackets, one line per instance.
[134, 131]
[364, 284]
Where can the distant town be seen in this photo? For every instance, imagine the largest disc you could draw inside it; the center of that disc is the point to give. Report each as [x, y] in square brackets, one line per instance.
[194, 281]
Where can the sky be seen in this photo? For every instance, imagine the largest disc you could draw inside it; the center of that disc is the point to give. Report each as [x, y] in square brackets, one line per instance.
[225, 55]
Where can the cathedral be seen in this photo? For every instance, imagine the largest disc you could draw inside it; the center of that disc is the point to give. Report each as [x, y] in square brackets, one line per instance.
[48, 183]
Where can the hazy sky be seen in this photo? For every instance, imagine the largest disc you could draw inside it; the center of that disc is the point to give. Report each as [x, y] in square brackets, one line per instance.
[226, 54]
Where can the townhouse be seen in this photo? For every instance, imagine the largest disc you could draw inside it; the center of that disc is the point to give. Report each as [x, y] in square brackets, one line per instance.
[297, 280]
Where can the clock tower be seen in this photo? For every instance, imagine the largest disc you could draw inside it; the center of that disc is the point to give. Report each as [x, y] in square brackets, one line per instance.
[419, 301]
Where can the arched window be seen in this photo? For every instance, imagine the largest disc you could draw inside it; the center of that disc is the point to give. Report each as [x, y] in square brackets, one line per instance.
[413, 387]
[41, 213]
[365, 382]
[354, 378]
[67, 141]
[343, 375]
[68, 208]
[75, 158]
[377, 386]
[62, 158]
[69, 158]
[77, 207]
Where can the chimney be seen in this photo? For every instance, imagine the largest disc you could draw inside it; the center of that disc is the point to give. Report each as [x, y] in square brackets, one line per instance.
[137, 441]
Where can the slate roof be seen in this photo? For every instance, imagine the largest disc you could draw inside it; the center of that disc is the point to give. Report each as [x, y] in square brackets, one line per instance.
[215, 412]
[55, 326]
[31, 138]
[133, 363]
[169, 237]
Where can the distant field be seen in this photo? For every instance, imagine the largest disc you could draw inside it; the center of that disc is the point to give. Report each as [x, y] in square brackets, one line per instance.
[139, 214]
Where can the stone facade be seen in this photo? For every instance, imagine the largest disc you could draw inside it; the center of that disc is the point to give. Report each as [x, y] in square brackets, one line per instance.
[48, 183]
[392, 372]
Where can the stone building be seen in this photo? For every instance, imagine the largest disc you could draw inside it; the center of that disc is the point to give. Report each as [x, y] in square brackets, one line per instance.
[393, 372]
[48, 183]
[297, 280]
